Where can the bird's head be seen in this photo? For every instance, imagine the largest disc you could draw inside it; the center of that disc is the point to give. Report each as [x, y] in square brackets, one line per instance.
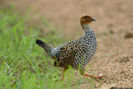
[86, 19]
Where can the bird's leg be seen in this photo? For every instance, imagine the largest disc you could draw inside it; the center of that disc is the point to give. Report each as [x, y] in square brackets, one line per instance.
[94, 77]
[63, 74]
[91, 76]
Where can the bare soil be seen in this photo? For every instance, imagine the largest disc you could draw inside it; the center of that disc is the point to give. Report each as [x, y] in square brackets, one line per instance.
[114, 21]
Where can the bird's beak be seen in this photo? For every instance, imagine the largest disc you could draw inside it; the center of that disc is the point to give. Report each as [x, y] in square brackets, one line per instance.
[93, 19]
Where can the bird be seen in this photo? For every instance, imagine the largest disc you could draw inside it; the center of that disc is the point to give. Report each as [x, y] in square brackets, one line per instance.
[76, 53]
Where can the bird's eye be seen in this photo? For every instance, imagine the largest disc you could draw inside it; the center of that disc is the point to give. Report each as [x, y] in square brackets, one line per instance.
[88, 18]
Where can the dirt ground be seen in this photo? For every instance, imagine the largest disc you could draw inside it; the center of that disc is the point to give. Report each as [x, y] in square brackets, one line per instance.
[114, 22]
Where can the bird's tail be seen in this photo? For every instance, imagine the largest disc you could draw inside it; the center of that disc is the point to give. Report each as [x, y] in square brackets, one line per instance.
[44, 45]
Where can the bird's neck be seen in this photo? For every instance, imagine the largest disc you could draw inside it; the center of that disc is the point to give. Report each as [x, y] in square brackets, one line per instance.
[86, 28]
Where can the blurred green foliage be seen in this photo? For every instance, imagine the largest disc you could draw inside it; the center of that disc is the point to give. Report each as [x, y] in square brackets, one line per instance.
[23, 65]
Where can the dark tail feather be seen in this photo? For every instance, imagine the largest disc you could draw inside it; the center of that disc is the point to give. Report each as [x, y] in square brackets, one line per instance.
[44, 45]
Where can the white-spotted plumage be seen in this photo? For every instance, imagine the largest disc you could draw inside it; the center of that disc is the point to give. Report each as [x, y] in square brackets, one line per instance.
[74, 53]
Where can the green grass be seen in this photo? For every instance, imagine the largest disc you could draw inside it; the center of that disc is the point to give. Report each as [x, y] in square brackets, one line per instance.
[23, 64]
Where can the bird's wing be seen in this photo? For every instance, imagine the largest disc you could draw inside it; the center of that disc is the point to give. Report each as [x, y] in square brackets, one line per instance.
[66, 55]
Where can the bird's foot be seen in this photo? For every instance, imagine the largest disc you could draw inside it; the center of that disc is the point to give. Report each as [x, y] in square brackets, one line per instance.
[94, 77]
